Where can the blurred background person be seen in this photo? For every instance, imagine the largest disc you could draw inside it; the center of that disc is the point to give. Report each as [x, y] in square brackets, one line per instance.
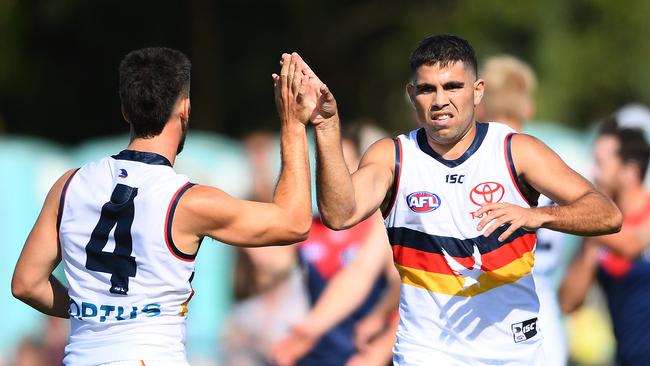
[352, 285]
[623, 268]
[268, 287]
[325, 253]
[510, 84]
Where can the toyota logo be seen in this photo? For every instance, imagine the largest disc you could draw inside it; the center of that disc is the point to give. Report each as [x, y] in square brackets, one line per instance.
[486, 192]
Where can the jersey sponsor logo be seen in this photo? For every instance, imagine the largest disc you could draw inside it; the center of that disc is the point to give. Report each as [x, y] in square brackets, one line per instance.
[123, 173]
[455, 178]
[103, 312]
[524, 330]
[421, 202]
[486, 192]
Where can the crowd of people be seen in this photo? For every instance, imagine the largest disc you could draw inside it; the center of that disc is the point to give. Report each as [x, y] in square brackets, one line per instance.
[477, 256]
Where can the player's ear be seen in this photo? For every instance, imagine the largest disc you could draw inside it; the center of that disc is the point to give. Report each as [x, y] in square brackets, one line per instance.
[479, 89]
[410, 91]
[125, 115]
[184, 109]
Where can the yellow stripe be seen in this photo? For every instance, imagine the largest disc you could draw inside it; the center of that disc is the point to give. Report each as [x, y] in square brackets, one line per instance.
[453, 285]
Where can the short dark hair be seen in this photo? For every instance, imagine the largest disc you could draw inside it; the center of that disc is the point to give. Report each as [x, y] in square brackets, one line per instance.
[633, 146]
[444, 50]
[151, 81]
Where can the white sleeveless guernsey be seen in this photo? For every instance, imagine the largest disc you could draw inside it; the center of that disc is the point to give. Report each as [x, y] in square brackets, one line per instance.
[465, 299]
[128, 283]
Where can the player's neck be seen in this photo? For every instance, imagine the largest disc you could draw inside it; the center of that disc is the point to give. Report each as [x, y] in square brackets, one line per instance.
[454, 150]
[165, 144]
[632, 199]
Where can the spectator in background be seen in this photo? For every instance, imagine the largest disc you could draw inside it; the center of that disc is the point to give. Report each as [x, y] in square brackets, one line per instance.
[353, 317]
[268, 288]
[323, 255]
[623, 269]
[509, 89]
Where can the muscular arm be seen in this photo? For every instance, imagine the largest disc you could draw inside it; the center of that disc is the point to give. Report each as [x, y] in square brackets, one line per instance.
[33, 282]
[579, 277]
[343, 199]
[207, 211]
[581, 209]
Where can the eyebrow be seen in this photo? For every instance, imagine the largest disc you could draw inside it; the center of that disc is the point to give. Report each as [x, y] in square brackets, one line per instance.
[453, 85]
[446, 86]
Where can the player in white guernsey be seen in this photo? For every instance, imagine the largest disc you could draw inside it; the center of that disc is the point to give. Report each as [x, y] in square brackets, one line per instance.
[128, 227]
[458, 197]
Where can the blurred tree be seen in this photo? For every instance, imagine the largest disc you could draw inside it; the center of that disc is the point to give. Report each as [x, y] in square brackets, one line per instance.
[59, 57]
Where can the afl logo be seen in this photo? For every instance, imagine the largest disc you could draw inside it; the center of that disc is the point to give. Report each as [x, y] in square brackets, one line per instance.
[422, 202]
[486, 192]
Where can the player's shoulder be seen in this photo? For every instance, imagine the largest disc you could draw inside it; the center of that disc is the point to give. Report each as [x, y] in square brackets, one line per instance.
[63, 181]
[383, 145]
[381, 151]
[526, 144]
[198, 197]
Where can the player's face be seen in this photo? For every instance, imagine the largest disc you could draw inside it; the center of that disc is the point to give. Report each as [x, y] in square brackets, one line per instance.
[444, 99]
[607, 165]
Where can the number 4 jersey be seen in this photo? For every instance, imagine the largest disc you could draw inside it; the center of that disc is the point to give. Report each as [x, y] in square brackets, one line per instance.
[466, 299]
[128, 283]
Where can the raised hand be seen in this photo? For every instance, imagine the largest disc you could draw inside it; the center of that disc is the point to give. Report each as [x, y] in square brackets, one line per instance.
[318, 95]
[325, 108]
[294, 105]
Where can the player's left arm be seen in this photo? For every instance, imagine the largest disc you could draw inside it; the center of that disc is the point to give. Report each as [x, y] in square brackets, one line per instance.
[367, 329]
[33, 282]
[581, 210]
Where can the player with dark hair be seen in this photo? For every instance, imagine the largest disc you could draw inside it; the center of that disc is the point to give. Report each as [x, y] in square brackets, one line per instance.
[620, 262]
[458, 197]
[128, 227]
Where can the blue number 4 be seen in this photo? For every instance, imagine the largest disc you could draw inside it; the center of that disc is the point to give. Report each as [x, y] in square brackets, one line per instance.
[118, 213]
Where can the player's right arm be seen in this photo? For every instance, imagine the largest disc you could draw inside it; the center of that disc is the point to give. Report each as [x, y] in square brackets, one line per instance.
[346, 199]
[208, 211]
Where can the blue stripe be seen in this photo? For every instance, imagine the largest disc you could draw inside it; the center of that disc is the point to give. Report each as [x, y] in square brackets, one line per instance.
[396, 173]
[513, 171]
[142, 157]
[453, 246]
[481, 131]
[171, 218]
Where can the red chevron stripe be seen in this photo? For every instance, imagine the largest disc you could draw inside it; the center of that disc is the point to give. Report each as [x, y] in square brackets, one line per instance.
[491, 261]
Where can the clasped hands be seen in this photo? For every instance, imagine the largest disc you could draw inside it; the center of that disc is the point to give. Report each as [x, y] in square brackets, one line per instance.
[300, 95]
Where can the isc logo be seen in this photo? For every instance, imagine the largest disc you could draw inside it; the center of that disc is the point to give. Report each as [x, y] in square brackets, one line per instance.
[524, 330]
[422, 202]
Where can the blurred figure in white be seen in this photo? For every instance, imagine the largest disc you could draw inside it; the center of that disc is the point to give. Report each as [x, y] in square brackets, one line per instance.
[509, 87]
